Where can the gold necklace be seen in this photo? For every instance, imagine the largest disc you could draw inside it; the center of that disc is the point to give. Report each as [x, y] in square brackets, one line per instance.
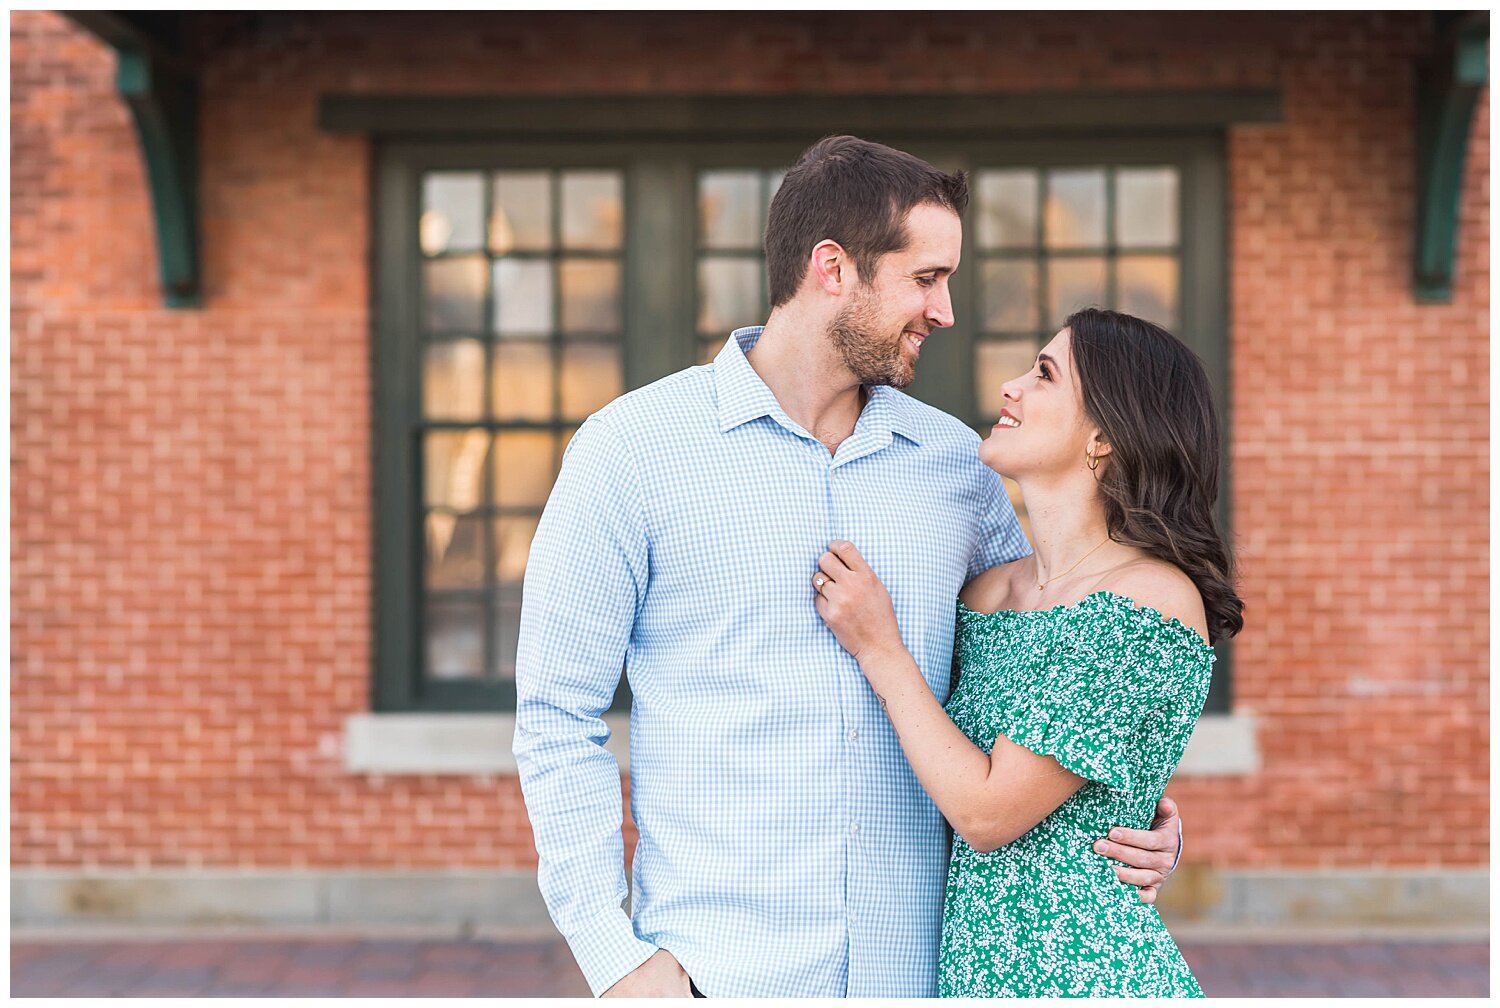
[1070, 570]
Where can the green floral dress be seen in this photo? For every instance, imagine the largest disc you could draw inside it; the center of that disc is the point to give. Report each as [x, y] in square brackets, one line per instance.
[1111, 691]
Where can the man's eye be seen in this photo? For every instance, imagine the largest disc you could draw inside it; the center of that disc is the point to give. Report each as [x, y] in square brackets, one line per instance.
[926, 281]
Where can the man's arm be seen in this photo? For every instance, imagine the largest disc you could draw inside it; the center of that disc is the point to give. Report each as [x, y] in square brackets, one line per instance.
[1001, 538]
[585, 579]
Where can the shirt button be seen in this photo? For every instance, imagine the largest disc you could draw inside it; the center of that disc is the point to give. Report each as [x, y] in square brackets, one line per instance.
[854, 827]
[853, 734]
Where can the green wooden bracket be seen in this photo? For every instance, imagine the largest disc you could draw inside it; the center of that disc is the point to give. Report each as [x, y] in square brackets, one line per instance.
[164, 104]
[1448, 89]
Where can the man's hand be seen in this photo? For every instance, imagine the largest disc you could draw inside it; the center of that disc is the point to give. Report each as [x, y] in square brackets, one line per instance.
[1148, 855]
[659, 976]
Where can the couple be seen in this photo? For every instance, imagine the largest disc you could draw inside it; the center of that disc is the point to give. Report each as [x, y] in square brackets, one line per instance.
[793, 772]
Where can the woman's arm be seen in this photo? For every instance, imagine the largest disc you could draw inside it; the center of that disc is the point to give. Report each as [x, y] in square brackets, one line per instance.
[990, 800]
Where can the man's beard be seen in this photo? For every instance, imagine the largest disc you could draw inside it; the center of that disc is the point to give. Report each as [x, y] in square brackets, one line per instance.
[872, 359]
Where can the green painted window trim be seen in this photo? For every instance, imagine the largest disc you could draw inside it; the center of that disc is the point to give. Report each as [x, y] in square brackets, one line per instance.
[739, 117]
[660, 317]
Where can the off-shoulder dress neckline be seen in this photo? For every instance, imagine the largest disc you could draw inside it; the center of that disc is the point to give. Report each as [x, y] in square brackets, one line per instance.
[1103, 596]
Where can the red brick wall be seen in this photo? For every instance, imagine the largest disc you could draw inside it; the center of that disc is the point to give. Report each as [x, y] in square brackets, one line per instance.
[191, 489]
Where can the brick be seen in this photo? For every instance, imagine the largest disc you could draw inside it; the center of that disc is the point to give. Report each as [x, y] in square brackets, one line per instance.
[191, 490]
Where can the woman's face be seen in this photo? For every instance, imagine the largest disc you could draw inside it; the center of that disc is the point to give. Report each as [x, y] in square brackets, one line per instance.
[1043, 428]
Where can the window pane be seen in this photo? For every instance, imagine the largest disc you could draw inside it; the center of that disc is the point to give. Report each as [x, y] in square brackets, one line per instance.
[1073, 284]
[728, 294]
[995, 364]
[1075, 208]
[455, 551]
[455, 639]
[452, 209]
[1146, 207]
[453, 292]
[525, 466]
[453, 468]
[1007, 208]
[521, 381]
[729, 209]
[453, 381]
[514, 538]
[593, 216]
[523, 297]
[591, 377]
[1010, 295]
[522, 216]
[507, 627]
[590, 296]
[1148, 288]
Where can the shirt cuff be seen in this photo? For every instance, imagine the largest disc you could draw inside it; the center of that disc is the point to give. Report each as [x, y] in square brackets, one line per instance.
[606, 949]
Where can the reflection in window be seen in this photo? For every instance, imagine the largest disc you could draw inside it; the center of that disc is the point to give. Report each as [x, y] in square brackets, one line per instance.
[731, 275]
[521, 320]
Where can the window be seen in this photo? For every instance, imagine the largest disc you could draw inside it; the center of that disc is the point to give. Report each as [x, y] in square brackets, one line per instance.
[731, 268]
[520, 341]
[524, 286]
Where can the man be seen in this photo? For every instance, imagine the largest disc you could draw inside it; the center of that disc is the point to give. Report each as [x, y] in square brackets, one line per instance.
[786, 848]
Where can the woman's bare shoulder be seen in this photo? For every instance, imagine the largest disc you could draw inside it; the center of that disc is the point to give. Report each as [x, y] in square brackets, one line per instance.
[991, 590]
[1162, 587]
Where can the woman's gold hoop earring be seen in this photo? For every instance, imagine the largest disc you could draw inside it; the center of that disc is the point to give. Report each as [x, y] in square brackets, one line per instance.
[1093, 462]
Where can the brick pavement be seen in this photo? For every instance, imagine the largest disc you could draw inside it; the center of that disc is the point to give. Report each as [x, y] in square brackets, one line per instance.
[311, 965]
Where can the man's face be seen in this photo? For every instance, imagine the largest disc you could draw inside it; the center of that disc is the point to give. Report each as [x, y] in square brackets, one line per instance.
[880, 332]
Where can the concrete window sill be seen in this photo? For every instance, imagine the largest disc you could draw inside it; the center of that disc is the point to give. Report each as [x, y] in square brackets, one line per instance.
[1223, 744]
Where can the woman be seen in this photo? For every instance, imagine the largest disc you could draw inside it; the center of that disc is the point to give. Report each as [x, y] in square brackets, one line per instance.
[1082, 668]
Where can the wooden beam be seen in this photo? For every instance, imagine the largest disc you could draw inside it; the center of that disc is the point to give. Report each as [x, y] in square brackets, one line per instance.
[1448, 89]
[161, 92]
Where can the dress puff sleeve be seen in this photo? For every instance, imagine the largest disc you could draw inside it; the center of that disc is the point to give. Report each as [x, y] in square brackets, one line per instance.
[1111, 673]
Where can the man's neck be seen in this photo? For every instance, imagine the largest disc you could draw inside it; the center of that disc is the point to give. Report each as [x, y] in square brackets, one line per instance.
[796, 360]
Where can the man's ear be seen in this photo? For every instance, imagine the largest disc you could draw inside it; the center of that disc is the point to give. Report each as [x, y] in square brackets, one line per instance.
[830, 268]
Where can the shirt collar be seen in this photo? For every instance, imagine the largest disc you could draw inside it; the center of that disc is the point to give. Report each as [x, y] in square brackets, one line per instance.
[744, 396]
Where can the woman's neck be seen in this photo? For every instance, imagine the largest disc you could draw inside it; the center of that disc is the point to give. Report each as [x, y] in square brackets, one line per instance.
[1067, 522]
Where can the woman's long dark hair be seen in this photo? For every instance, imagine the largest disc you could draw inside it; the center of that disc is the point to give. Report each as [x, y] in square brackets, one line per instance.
[1150, 396]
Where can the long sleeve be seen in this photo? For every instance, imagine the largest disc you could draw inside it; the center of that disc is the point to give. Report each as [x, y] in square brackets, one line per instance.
[585, 580]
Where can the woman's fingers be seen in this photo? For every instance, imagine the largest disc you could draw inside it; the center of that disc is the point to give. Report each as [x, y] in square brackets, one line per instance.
[844, 550]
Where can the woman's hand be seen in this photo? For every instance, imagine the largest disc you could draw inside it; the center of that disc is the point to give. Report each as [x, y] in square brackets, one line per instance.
[855, 605]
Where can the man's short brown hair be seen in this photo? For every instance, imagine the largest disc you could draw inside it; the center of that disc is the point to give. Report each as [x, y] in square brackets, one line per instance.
[856, 193]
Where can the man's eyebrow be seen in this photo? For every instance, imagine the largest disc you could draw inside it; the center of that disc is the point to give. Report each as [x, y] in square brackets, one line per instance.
[932, 269]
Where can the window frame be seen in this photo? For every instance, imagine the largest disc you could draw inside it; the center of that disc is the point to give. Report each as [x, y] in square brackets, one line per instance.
[660, 317]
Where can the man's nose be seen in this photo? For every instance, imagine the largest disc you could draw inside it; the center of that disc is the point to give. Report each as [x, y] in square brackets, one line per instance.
[940, 308]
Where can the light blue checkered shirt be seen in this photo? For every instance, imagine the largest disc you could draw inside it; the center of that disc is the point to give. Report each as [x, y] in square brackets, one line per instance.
[786, 848]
